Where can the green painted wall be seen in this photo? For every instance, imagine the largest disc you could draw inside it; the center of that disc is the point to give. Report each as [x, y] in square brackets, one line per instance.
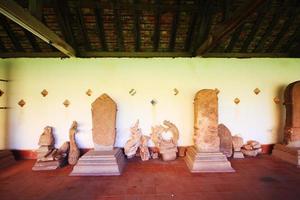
[255, 117]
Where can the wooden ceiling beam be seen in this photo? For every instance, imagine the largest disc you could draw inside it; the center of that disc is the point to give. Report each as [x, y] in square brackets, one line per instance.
[15, 41]
[2, 47]
[245, 55]
[56, 54]
[292, 40]
[136, 27]
[175, 21]
[100, 27]
[118, 25]
[256, 25]
[224, 29]
[19, 15]
[190, 32]
[133, 54]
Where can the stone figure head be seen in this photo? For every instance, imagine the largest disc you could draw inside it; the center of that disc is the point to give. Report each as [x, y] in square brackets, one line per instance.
[47, 138]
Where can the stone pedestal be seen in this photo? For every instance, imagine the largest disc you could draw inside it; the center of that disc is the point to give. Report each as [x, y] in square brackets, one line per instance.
[49, 165]
[288, 154]
[207, 162]
[100, 163]
[6, 158]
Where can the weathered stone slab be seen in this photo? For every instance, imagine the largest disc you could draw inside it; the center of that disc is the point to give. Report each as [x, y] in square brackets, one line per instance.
[206, 121]
[288, 154]
[225, 140]
[207, 161]
[237, 143]
[104, 111]
[100, 163]
[238, 155]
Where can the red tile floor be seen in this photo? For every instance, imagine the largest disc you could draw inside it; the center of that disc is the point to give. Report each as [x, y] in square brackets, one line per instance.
[258, 178]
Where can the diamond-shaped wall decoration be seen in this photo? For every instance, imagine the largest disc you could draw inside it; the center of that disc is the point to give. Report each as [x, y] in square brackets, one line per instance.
[132, 92]
[66, 103]
[237, 100]
[89, 92]
[276, 100]
[1, 93]
[21, 103]
[44, 92]
[175, 91]
[153, 102]
[256, 91]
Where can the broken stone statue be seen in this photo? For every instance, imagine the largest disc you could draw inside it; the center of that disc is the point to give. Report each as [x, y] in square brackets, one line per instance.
[252, 148]
[144, 150]
[289, 150]
[205, 155]
[74, 150]
[225, 140]
[48, 157]
[104, 159]
[134, 141]
[167, 147]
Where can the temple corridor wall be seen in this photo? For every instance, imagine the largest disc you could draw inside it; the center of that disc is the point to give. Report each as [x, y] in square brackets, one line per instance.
[255, 117]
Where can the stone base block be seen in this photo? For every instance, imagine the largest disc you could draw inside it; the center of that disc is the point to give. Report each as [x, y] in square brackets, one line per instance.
[100, 163]
[6, 158]
[49, 165]
[207, 162]
[288, 154]
[238, 155]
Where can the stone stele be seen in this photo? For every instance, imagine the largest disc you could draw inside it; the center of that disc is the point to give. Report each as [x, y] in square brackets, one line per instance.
[104, 160]
[205, 155]
[289, 151]
[225, 140]
[104, 112]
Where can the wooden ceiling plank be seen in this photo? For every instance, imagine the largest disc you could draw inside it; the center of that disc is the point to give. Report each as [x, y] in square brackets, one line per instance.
[175, 21]
[118, 25]
[224, 29]
[291, 40]
[235, 37]
[136, 27]
[245, 55]
[32, 41]
[134, 54]
[259, 19]
[190, 31]
[226, 9]
[56, 54]
[16, 13]
[156, 34]
[15, 41]
[82, 29]
[100, 27]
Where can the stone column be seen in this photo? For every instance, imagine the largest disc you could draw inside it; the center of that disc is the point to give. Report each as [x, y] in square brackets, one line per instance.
[205, 155]
[104, 159]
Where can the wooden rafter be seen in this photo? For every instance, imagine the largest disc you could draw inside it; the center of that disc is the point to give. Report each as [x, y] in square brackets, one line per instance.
[15, 41]
[134, 54]
[136, 27]
[16, 13]
[259, 19]
[100, 27]
[156, 34]
[190, 31]
[2, 47]
[118, 25]
[82, 29]
[63, 18]
[175, 21]
[204, 25]
[235, 37]
[224, 29]
[35, 8]
[32, 41]
[226, 9]
[291, 40]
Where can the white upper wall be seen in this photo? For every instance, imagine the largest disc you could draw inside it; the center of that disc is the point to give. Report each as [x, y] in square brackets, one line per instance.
[3, 103]
[255, 117]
